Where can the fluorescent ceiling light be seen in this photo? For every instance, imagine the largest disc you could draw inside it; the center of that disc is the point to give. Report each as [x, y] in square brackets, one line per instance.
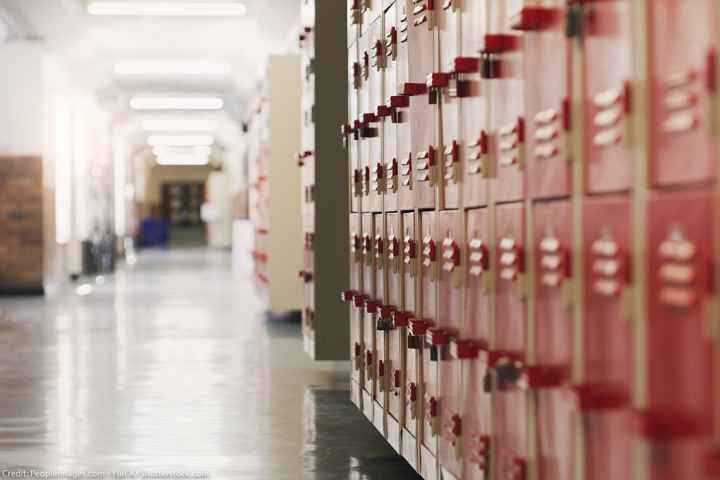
[176, 103]
[180, 140]
[165, 151]
[181, 160]
[168, 9]
[178, 125]
[172, 68]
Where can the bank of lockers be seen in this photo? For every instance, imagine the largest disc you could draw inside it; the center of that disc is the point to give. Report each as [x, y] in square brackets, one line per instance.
[533, 235]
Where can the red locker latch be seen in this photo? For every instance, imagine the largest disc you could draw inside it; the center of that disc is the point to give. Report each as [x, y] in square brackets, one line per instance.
[535, 18]
[480, 454]
[401, 319]
[358, 356]
[412, 400]
[347, 296]
[433, 416]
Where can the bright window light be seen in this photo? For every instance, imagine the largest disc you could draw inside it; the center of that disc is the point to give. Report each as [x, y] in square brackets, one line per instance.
[178, 125]
[180, 140]
[168, 9]
[172, 68]
[176, 103]
[181, 160]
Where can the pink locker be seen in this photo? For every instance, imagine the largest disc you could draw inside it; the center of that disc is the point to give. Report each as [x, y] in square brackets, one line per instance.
[400, 104]
[373, 72]
[508, 357]
[354, 298]
[475, 158]
[604, 396]
[678, 419]
[444, 85]
[413, 401]
[376, 324]
[682, 84]
[449, 317]
[351, 132]
[503, 65]
[385, 111]
[423, 121]
[394, 367]
[369, 305]
[607, 65]
[474, 431]
[547, 97]
[550, 374]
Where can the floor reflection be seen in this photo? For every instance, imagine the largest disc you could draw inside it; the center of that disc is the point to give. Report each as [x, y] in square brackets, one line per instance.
[171, 365]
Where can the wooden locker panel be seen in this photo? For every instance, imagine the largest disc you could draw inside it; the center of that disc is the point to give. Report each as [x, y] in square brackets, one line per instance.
[604, 396]
[679, 346]
[351, 130]
[682, 84]
[374, 308]
[546, 87]
[393, 306]
[375, 75]
[391, 166]
[371, 11]
[411, 246]
[503, 65]
[607, 67]
[369, 303]
[401, 113]
[451, 281]
[474, 131]
[422, 41]
[357, 343]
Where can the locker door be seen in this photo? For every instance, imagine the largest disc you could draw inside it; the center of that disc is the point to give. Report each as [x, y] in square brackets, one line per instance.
[413, 401]
[682, 83]
[373, 143]
[547, 96]
[391, 184]
[475, 429]
[444, 82]
[354, 19]
[678, 419]
[503, 65]
[369, 305]
[396, 334]
[429, 272]
[553, 340]
[508, 357]
[607, 66]
[449, 327]
[350, 131]
[473, 106]
[423, 122]
[371, 10]
[378, 323]
[401, 113]
[604, 397]
[356, 287]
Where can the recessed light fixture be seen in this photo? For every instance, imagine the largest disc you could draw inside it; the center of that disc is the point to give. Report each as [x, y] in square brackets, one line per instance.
[178, 125]
[163, 151]
[176, 103]
[172, 68]
[167, 9]
[183, 160]
[180, 140]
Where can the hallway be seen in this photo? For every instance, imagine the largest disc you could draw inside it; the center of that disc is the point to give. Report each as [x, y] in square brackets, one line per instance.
[171, 366]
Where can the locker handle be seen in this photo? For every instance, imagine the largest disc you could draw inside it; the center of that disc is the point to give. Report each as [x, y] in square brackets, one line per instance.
[418, 328]
[535, 18]
[347, 296]
[401, 319]
[359, 300]
[399, 101]
[438, 80]
[542, 377]
[496, 43]
[386, 311]
[600, 397]
[466, 65]
[516, 469]
[437, 336]
[384, 111]
[466, 349]
[414, 89]
[358, 350]
[371, 306]
[669, 424]
[370, 118]
[397, 378]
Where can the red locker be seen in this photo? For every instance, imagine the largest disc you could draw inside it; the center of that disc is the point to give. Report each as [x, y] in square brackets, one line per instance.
[429, 272]
[553, 342]
[369, 304]
[679, 414]
[507, 359]
[372, 144]
[472, 349]
[682, 84]
[449, 326]
[503, 65]
[475, 152]
[423, 117]
[390, 181]
[607, 66]
[547, 97]
[400, 104]
[396, 333]
[604, 396]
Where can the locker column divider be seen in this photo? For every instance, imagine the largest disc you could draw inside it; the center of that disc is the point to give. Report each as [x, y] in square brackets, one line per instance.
[714, 321]
[386, 265]
[640, 134]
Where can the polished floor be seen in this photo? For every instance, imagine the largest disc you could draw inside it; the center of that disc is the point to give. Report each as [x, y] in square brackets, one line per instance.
[170, 366]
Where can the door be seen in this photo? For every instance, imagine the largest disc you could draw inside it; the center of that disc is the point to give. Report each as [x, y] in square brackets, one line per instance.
[369, 306]
[393, 306]
[357, 346]
[373, 126]
[351, 131]
[400, 104]
[391, 183]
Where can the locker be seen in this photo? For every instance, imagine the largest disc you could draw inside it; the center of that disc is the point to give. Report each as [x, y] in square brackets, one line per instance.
[679, 342]
[354, 296]
[369, 305]
[508, 356]
[374, 310]
[400, 104]
[546, 75]
[396, 333]
[390, 181]
[373, 73]
[475, 147]
[553, 342]
[368, 12]
[350, 132]
[410, 272]
[503, 66]
[423, 122]
[607, 66]
[449, 326]
[604, 396]
[472, 350]
[445, 83]
[682, 86]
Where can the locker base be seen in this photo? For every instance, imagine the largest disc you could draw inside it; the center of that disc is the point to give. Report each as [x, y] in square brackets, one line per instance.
[408, 448]
[428, 464]
[394, 433]
[356, 395]
[367, 405]
[379, 419]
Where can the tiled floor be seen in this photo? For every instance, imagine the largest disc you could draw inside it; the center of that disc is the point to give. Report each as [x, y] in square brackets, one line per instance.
[171, 366]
